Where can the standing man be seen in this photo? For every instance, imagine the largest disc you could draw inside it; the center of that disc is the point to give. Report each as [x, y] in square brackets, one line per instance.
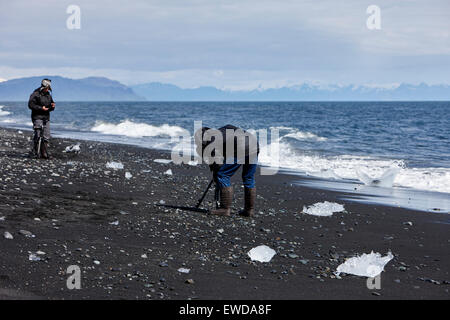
[41, 104]
[226, 150]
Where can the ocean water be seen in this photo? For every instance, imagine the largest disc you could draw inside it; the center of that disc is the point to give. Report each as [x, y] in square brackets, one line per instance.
[378, 144]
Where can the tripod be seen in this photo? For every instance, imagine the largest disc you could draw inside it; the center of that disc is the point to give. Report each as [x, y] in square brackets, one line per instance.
[216, 195]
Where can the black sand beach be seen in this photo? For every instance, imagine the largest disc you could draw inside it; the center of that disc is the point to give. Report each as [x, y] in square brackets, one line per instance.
[81, 213]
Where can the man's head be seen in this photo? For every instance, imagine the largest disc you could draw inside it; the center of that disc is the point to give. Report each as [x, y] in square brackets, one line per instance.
[46, 85]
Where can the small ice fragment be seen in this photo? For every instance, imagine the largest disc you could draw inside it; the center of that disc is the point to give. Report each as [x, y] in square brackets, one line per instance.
[8, 235]
[144, 256]
[193, 163]
[2, 218]
[114, 165]
[124, 213]
[261, 253]
[365, 265]
[96, 262]
[323, 209]
[128, 175]
[75, 148]
[41, 253]
[184, 270]
[26, 233]
[164, 161]
[168, 172]
[114, 223]
[33, 257]
[220, 230]
[162, 202]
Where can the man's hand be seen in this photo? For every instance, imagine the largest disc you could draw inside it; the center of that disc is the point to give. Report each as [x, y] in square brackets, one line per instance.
[53, 105]
[44, 108]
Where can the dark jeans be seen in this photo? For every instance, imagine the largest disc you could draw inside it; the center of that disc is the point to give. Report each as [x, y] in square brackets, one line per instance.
[226, 171]
[44, 125]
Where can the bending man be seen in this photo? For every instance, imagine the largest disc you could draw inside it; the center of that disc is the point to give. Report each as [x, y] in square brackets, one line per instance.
[226, 150]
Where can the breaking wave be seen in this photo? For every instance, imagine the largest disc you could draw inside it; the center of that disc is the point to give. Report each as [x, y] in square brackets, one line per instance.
[370, 171]
[3, 113]
[138, 130]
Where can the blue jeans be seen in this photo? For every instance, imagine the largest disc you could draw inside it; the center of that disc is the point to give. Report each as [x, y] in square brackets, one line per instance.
[226, 171]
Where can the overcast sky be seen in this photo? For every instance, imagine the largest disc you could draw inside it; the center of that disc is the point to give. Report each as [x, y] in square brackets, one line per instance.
[237, 44]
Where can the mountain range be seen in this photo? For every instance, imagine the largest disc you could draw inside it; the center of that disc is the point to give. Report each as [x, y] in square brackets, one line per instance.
[65, 89]
[104, 89]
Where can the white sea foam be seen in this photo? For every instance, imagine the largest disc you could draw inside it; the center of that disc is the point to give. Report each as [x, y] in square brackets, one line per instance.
[294, 133]
[3, 113]
[388, 172]
[138, 130]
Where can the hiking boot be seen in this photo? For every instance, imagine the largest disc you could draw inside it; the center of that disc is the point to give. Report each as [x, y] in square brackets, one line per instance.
[226, 197]
[249, 207]
[36, 147]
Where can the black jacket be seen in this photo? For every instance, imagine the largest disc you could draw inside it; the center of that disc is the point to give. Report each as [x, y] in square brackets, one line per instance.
[243, 151]
[38, 99]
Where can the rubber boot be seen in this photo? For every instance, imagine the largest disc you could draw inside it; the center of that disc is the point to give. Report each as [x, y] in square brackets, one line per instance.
[249, 206]
[36, 147]
[226, 198]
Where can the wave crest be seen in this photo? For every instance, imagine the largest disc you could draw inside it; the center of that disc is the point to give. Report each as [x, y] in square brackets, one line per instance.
[296, 134]
[138, 130]
[3, 113]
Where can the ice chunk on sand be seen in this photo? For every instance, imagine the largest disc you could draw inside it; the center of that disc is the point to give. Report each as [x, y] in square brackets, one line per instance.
[184, 270]
[75, 148]
[366, 265]
[386, 180]
[323, 209]
[261, 253]
[168, 172]
[128, 175]
[114, 165]
[33, 257]
[8, 235]
[165, 161]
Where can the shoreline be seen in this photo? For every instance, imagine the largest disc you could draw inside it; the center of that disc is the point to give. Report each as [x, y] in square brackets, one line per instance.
[71, 204]
[356, 190]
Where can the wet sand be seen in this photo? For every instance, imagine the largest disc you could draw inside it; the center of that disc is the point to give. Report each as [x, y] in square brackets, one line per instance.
[74, 210]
